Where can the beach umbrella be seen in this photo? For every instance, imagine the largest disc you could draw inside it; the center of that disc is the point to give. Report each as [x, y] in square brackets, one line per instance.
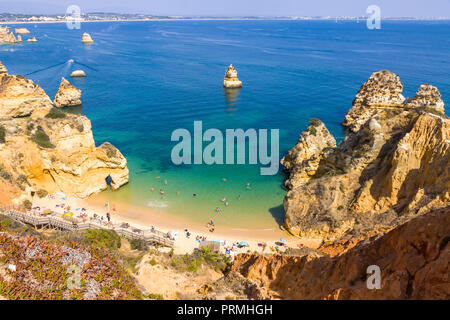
[47, 211]
[283, 240]
[243, 243]
[69, 214]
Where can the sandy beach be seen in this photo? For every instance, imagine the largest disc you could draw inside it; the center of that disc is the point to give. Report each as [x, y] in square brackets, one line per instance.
[145, 218]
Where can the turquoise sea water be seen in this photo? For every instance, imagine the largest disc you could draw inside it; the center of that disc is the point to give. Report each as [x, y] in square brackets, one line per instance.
[146, 79]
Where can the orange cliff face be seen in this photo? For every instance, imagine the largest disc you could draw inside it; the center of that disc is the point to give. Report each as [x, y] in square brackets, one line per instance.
[42, 147]
[413, 260]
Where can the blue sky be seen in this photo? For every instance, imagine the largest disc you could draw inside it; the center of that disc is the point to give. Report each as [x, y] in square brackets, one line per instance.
[392, 8]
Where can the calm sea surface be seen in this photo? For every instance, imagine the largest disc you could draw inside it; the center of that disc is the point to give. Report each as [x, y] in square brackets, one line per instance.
[146, 79]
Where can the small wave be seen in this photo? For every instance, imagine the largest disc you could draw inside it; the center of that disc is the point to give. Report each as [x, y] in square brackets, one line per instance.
[157, 204]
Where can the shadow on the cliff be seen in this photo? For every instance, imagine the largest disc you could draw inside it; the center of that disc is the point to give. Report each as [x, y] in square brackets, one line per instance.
[278, 214]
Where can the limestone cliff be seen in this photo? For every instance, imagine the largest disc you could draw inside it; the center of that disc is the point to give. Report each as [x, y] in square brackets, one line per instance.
[67, 96]
[49, 149]
[303, 160]
[393, 166]
[20, 96]
[3, 70]
[383, 89]
[413, 260]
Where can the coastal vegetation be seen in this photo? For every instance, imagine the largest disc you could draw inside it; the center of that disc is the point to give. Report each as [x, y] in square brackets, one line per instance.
[55, 114]
[41, 267]
[42, 139]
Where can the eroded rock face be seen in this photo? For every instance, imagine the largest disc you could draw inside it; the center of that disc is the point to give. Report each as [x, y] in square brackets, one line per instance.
[20, 96]
[427, 96]
[3, 70]
[413, 260]
[231, 80]
[60, 154]
[396, 166]
[67, 96]
[52, 150]
[383, 89]
[6, 36]
[302, 161]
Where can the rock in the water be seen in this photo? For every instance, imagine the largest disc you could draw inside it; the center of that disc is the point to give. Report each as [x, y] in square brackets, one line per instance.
[303, 160]
[22, 31]
[6, 36]
[3, 70]
[32, 39]
[86, 38]
[383, 89]
[231, 80]
[67, 96]
[427, 96]
[20, 96]
[78, 73]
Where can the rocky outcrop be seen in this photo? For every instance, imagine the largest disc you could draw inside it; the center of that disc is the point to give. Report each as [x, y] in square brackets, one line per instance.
[67, 95]
[22, 31]
[394, 167]
[32, 39]
[303, 160]
[413, 260]
[86, 38]
[6, 36]
[20, 96]
[50, 149]
[3, 70]
[78, 74]
[382, 90]
[427, 96]
[231, 80]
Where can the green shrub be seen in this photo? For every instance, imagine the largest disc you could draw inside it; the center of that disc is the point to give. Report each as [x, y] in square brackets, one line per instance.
[2, 134]
[152, 262]
[155, 296]
[340, 207]
[313, 131]
[103, 238]
[315, 122]
[55, 114]
[137, 244]
[42, 193]
[27, 204]
[42, 139]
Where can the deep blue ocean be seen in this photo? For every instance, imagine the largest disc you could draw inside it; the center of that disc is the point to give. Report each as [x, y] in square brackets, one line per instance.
[146, 79]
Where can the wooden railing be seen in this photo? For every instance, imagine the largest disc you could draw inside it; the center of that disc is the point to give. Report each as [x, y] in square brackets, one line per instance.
[35, 219]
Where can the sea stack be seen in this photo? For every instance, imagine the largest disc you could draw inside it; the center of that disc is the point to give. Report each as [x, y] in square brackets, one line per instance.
[86, 38]
[67, 96]
[78, 74]
[32, 40]
[6, 36]
[231, 80]
[22, 31]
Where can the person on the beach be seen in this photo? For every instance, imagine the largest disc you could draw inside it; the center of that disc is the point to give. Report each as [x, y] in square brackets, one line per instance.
[161, 191]
[194, 194]
[108, 217]
[165, 181]
[217, 209]
[248, 185]
[223, 199]
[239, 197]
[226, 203]
[153, 189]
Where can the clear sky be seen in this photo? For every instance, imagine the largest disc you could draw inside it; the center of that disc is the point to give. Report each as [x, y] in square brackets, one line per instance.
[389, 8]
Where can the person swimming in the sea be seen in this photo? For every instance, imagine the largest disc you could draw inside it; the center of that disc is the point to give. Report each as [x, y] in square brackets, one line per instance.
[161, 191]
